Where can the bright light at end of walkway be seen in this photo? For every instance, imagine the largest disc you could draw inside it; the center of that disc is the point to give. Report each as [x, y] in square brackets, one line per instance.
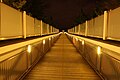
[99, 50]
[29, 49]
[43, 41]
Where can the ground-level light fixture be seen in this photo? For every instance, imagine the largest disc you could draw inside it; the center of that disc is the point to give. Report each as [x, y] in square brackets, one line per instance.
[49, 39]
[83, 42]
[29, 48]
[43, 41]
[99, 50]
[76, 39]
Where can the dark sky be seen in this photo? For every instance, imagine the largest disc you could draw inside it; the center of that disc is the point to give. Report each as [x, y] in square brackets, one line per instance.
[65, 12]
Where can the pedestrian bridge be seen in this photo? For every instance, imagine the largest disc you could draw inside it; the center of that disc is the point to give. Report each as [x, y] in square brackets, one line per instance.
[31, 49]
[61, 56]
[62, 62]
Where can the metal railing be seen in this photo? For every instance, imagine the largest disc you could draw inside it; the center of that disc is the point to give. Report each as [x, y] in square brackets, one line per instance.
[15, 62]
[105, 26]
[14, 66]
[110, 65]
[21, 25]
[104, 58]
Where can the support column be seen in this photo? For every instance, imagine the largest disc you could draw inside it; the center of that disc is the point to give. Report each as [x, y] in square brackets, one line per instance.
[105, 26]
[24, 24]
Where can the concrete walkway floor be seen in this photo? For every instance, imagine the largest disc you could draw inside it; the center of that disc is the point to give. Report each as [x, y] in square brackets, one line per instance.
[62, 62]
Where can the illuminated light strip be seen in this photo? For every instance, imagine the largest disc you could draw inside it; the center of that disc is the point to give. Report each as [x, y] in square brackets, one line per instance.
[99, 50]
[2, 38]
[104, 45]
[76, 39]
[29, 49]
[49, 39]
[43, 41]
[11, 47]
[83, 42]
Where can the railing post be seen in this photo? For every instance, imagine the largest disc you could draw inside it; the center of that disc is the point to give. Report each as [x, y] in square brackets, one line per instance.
[105, 26]
[75, 29]
[86, 28]
[24, 24]
[41, 28]
[51, 30]
[47, 28]
[1, 1]
[79, 29]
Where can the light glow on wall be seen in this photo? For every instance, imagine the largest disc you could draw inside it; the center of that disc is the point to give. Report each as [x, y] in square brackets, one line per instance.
[99, 50]
[80, 40]
[49, 39]
[29, 48]
[83, 42]
[43, 41]
[2, 38]
[52, 36]
[76, 39]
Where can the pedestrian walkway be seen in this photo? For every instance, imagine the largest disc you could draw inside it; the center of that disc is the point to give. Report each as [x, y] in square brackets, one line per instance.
[62, 62]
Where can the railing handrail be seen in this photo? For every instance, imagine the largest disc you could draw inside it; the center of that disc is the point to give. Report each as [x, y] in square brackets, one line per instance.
[11, 57]
[117, 59]
[8, 48]
[104, 45]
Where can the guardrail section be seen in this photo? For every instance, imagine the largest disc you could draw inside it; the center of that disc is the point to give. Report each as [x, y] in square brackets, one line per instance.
[104, 58]
[10, 20]
[16, 24]
[17, 59]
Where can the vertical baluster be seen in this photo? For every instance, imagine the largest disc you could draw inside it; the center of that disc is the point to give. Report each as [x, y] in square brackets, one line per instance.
[105, 26]
[86, 28]
[11, 62]
[24, 24]
[1, 1]
[41, 27]
[7, 71]
[0, 71]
